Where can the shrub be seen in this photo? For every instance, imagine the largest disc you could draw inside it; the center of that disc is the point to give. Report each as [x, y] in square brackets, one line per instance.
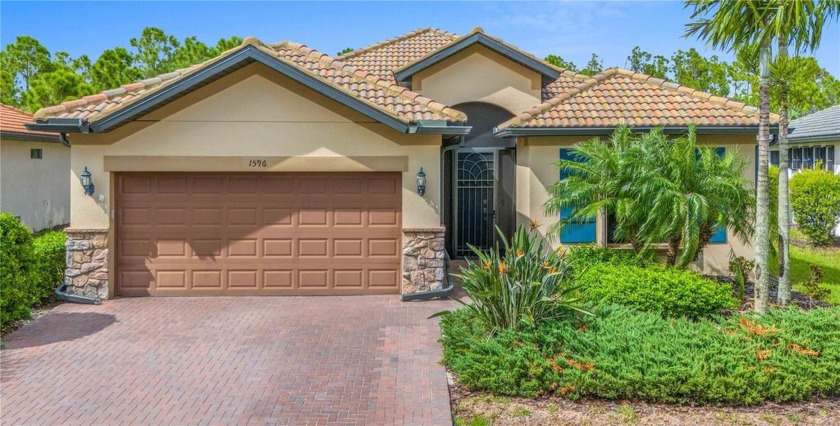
[667, 291]
[586, 256]
[815, 200]
[17, 260]
[620, 353]
[524, 282]
[50, 252]
[741, 268]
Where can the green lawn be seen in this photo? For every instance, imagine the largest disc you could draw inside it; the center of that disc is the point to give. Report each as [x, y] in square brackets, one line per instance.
[801, 260]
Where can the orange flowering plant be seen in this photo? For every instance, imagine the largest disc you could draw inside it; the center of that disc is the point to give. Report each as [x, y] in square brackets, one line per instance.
[521, 281]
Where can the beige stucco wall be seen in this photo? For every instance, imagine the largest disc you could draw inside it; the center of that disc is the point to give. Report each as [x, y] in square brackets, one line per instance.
[480, 75]
[255, 113]
[536, 172]
[37, 190]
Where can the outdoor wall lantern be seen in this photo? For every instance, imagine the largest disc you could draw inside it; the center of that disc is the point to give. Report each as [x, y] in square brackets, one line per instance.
[86, 182]
[421, 182]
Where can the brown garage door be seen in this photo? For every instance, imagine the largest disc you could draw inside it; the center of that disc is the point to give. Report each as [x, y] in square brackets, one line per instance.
[257, 233]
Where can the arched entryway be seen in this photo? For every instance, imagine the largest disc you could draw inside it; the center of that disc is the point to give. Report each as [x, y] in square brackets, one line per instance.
[480, 182]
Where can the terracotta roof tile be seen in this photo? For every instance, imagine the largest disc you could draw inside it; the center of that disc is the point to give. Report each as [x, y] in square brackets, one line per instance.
[384, 57]
[369, 88]
[13, 120]
[618, 96]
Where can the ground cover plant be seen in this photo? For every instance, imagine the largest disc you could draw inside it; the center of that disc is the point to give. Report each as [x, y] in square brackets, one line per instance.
[622, 353]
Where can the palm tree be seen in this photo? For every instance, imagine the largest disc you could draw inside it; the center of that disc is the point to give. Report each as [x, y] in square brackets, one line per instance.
[690, 192]
[797, 22]
[595, 184]
[735, 24]
[660, 190]
[738, 24]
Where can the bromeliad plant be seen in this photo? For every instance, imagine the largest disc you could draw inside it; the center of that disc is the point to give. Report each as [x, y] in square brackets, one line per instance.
[523, 282]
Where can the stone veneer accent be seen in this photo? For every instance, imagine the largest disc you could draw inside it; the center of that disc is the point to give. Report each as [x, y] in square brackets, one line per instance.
[423, 259]
[87, 262]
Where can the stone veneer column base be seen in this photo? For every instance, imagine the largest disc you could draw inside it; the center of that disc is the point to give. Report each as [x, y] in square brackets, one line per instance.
[423, 259]
[87, 262]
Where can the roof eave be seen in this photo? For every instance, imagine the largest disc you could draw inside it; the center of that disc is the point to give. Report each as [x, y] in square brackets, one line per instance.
[816, 138]
[60, 125]
[439, 127]
[30, 137]
[598, 131]
[547, 72]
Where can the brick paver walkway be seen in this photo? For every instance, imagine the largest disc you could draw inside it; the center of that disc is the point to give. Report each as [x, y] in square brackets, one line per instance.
[257, 360]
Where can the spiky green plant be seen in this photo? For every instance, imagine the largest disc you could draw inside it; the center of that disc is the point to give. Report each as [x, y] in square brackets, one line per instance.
[520, 282]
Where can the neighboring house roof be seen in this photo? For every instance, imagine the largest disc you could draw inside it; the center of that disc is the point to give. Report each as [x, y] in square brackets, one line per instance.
[12, 121]
[819, 126]
[477, 37]
[384, 57]
[616, 96]
[358, 89]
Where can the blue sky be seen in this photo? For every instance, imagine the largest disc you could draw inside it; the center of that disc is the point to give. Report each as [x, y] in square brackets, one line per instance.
[572, 29]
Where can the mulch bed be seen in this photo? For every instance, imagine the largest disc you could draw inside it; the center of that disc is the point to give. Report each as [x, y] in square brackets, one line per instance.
[797, 299]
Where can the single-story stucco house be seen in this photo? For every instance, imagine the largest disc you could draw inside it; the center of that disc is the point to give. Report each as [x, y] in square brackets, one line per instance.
[33, 172]
[277, 169]
[814, 140]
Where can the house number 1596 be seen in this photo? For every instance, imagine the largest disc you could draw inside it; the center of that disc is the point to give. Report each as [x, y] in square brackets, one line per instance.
[257, 163]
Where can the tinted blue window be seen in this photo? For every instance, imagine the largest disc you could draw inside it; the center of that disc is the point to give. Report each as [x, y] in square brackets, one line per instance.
[574, 232]
[720, 234]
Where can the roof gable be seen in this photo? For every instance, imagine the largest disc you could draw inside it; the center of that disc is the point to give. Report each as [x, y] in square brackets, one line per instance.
[621, 97]
[477, 37]
[385, 102]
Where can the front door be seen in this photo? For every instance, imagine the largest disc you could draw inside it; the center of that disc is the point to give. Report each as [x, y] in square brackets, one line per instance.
[475, 206]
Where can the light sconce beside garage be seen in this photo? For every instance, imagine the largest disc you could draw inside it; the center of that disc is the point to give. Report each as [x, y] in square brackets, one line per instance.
[421, 182]
[87, 184]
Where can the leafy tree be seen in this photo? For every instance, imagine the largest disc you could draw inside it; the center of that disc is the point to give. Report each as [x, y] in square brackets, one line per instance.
[9, 92]
[558, 61]
[114, 68]
[344, 51]
[643, 62]
[225, 44]
[594, 66]
[190, 52]
[155, 51]
[693, 70]
[25, 58]
[52, 88]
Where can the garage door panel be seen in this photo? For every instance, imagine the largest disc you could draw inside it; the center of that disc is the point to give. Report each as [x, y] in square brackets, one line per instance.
[252, 233]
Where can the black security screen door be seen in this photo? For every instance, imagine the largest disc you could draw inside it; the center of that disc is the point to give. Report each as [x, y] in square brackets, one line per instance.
[474, 206]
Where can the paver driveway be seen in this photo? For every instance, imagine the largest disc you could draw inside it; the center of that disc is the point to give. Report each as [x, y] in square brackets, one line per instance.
[260, 360]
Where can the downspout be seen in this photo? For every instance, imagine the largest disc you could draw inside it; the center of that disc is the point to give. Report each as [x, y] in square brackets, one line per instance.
[61, 293]
[62, 137]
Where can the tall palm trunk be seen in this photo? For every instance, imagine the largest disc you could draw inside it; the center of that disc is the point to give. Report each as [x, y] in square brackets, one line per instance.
[762, 223]
[784, 196]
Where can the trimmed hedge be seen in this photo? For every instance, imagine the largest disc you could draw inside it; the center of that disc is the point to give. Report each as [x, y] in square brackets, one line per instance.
[621, 353]
[668, 291]
[815, 201]
[30, 270]
[17, 262]
[583, 257]
[50, 254]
